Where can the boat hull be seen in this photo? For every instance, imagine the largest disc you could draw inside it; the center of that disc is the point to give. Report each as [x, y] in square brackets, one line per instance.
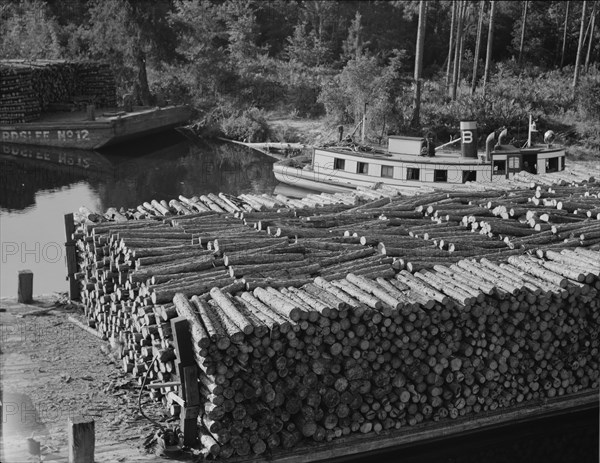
[70, 131]
[334, 170]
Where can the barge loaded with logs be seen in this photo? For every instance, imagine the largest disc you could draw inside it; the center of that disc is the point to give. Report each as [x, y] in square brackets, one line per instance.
[339, 324]
[414, 161]
[73, 105]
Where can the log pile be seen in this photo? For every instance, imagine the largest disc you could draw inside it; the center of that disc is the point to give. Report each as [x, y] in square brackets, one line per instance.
[361, 355]
[314, 319]
[32, 87]
[18, 99]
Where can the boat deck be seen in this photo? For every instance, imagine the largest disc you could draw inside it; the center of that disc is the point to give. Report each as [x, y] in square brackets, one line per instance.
[101, 115]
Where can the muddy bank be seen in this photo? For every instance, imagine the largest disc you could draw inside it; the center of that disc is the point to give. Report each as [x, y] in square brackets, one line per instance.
[52, 369]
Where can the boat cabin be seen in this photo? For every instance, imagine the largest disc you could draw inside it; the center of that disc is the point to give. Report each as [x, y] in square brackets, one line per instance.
[410, 160]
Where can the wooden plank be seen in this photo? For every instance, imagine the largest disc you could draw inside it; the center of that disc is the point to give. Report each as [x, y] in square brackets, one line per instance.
[181, 333]
[187, 369]
[69, 227]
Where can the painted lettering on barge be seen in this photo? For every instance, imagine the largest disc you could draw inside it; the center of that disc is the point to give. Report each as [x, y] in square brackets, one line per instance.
[22, 135]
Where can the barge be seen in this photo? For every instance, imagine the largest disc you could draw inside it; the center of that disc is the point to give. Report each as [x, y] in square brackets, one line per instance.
[73, 104]
[412, 162]
[110, 127]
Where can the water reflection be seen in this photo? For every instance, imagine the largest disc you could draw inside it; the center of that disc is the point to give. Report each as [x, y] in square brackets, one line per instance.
[39, 185]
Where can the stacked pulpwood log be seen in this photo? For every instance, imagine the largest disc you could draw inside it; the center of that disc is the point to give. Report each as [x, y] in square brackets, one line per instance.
[96, 84]
[31, 87]
[302, 331]
[18, 99]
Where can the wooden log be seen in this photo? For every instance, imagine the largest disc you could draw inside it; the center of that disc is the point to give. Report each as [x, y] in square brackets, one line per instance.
[373, 288]
[229, 308]
[537, 270]
[266, 311]
[233, 331]
[336, 292]
[256, 259]
[160, 296]
[185, 309]
[279, 304]
[214, 329]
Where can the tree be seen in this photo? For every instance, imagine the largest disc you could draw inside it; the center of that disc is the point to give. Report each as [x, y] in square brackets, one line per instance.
[591, 41]
[579, 49]
[242, 32]
[477, 45]
[113, 34]
[28, 31]
[201, 43]
[457, 54]
[490, 40]
[564, 44]
[353, 45]
[523, 32]
[306, 48]
[419, 61]
[450, 43]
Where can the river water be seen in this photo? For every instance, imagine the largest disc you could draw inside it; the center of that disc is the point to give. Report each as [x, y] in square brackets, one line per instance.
[39, 185]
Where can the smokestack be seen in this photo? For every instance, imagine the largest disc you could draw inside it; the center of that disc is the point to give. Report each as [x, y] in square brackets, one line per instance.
[489, 146]
[468, 135]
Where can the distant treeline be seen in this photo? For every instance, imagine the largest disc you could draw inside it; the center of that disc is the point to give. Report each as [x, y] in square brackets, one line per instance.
[235, 59]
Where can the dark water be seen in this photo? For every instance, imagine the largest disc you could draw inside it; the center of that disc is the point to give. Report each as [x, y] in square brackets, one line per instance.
[39, 185]
[560, 439]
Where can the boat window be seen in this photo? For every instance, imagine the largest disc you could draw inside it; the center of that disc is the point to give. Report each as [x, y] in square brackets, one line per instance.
[362, 168]
[469, 176]
[412, 173]
[339, 164]
[552, 165]
[515, 163]
[499, 167]
[387, 171]
[440, 175]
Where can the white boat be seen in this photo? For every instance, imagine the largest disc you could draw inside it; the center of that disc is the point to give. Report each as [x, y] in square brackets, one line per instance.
[412, 162]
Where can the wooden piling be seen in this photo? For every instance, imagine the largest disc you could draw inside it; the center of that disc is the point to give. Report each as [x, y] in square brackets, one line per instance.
[25, 291]
[81, 440]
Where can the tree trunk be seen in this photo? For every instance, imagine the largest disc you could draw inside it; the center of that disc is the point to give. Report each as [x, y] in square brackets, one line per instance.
[449, 59]
[579, 48]
[462, 42]
[419, 61]
[523, 33]
[564, 44]
[457, 56]
[142, 77]
[591, 41]
[477, 46]
[490, 40]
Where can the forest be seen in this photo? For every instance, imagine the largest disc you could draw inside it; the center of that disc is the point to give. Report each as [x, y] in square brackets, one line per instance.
[398, 67]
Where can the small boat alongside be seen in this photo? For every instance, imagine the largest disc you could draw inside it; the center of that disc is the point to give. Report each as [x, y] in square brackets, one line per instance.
[412, 162]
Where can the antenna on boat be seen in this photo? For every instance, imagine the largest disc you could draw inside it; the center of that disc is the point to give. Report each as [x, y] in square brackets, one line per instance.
[532, 128]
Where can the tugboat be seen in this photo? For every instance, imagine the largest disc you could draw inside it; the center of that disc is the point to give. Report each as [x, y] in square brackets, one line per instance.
[415, 162]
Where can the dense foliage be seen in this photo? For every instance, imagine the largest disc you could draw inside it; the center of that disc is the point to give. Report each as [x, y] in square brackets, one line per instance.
[236, 60]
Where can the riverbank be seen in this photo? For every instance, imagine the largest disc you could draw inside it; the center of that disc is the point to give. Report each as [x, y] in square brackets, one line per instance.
[51, 370]
[290, 129]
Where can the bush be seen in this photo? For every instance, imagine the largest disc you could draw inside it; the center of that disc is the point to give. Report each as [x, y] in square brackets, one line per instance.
[170, 85]
[491, 112]
[588, 102]
[249, 126]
